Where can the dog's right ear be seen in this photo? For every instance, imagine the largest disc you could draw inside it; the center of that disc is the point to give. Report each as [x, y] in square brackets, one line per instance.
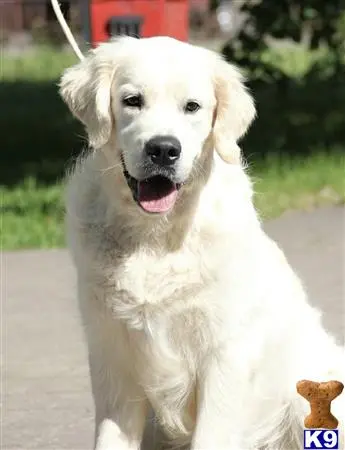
[86, 89]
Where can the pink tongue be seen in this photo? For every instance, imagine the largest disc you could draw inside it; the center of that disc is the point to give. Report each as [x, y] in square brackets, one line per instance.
[156, 199]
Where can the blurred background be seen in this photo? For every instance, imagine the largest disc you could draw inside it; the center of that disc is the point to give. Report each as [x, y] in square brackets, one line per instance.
[292, 52]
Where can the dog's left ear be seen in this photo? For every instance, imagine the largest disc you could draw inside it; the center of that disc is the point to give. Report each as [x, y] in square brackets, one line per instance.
[234, 113]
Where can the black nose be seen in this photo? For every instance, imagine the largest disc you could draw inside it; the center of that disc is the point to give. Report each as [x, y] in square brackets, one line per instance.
[163, 150]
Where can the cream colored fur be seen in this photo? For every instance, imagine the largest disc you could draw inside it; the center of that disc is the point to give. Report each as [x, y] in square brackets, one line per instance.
[194, 314]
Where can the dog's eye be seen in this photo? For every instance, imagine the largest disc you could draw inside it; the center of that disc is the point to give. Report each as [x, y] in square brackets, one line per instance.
[133, 101]
[191, 107]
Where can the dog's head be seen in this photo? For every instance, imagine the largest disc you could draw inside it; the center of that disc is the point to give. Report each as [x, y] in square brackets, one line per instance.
[154, 104]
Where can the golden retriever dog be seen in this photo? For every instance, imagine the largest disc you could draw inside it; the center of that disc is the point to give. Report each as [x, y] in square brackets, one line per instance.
[190, 311]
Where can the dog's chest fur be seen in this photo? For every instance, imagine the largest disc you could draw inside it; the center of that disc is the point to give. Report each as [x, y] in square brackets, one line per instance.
[168, 324]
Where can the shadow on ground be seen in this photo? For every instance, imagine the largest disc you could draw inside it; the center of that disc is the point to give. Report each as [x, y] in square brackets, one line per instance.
[297, 118]
[39, 135]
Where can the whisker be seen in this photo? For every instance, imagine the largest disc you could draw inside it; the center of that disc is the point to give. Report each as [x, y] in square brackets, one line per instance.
[103, 171]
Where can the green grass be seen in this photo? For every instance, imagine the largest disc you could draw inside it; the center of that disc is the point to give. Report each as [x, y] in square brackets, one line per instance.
[32, 215]
[283, 184]
[40, 64]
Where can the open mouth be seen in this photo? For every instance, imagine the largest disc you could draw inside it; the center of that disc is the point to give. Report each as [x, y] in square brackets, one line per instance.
[157, 194]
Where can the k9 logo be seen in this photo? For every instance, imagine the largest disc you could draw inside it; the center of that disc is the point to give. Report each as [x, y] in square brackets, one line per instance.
[321, 439]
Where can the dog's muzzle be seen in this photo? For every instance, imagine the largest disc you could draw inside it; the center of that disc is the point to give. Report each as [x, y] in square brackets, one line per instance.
[156, 194]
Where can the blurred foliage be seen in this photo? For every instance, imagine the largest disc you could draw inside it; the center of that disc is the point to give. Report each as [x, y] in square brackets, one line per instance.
[312, 24]
[293, 54]
[39, 135]
[44, 63]
[297, 117]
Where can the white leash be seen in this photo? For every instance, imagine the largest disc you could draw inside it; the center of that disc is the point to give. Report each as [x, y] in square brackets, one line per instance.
[66, 29]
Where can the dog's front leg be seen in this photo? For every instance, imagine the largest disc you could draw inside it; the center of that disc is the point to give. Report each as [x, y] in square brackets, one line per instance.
[120, 408]
[221, 411]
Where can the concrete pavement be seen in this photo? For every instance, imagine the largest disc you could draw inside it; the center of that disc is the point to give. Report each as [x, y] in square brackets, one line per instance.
[45, 387]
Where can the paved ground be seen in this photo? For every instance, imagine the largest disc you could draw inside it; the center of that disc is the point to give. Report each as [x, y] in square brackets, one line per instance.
[47, 395]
